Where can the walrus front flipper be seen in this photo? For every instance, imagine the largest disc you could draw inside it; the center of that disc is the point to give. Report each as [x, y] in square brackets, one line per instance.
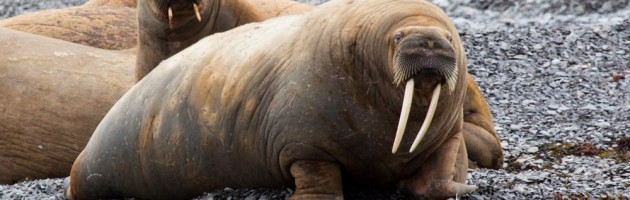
[443, 174]
[316, 180]
[482, 142]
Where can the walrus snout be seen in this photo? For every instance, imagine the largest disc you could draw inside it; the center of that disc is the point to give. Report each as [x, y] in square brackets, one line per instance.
[424, 58]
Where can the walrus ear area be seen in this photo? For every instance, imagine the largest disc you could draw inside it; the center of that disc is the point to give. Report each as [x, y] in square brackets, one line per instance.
[449, 37]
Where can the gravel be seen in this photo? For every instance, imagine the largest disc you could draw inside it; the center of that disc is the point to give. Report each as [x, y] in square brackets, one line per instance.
[10, 8]
[555, 75]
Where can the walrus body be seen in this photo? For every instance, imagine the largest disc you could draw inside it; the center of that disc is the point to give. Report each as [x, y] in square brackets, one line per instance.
[271, 104]
[52, 96]
[106, 27]
[157, 41]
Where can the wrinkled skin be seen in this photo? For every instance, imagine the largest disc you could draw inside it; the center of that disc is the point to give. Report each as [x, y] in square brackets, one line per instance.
[47, 120]
[157, 42]
[305, 118]
[110, 27]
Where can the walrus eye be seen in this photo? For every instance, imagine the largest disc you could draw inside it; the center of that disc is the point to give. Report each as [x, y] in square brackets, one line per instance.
[398, 37]
[449, 37]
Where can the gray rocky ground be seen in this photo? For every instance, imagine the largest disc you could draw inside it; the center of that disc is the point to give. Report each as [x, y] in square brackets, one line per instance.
[555, 73]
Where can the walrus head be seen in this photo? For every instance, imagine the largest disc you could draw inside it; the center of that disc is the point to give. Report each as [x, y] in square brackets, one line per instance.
[170, 9]
[423, 58]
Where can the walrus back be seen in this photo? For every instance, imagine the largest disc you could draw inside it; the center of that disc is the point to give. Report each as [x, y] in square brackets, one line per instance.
[101, 27]
[179, 125]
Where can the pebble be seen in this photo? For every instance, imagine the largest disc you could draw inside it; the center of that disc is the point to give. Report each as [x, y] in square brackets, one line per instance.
[545, 69]
[532, 149]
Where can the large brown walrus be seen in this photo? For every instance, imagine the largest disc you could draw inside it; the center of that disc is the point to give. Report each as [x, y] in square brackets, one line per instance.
[106, 24]
[273, 104]
[52, 95]
[162, 36]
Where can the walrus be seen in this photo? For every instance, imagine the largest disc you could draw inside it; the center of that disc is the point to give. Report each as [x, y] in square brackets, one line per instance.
[273, 104]
[167, 27]
[106, 24]
[53, 95]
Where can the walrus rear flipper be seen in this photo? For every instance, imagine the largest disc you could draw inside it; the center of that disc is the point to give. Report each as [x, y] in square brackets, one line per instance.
[482, 142]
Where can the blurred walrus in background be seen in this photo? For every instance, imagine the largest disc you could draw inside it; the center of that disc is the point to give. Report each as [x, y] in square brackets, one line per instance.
[56, 92]
[53, 94]
[168, 26]
[273, 104]
[106, 24]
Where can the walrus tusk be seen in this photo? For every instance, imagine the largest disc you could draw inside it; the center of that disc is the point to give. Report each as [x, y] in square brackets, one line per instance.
[170, 18]
[197, 12]
[428, 118]
[404, 114]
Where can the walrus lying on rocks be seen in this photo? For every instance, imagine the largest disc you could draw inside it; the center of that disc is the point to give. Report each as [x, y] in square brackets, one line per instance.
[272, 104]
[53, 94]
[106, 24]
[167, 27]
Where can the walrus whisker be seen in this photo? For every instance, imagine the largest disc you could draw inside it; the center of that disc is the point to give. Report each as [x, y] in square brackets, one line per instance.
[404, 114]
[170, 17]
[196, 8]
[452, 80]
[427, 119]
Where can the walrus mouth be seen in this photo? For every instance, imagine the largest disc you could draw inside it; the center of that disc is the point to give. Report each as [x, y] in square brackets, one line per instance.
[430, 63]
[169, 9]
